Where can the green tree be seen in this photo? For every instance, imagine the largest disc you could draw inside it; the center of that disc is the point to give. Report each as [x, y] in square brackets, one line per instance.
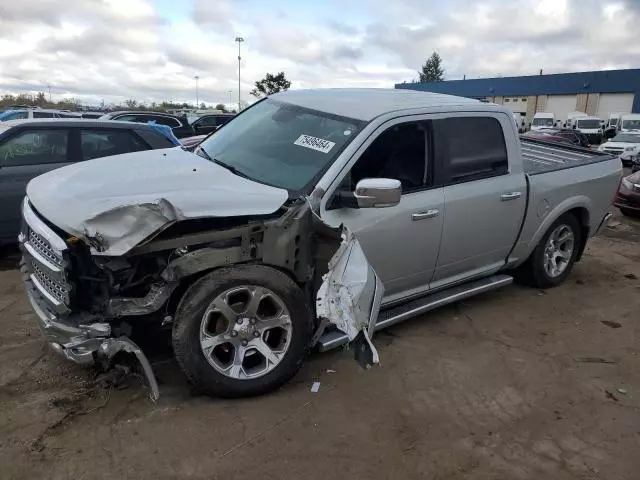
[131, 104]
[221, 107]
[203, 106]
[432, 70]
[271, 84]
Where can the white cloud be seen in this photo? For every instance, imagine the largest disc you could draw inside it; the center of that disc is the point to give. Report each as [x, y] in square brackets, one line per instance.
[119, 49]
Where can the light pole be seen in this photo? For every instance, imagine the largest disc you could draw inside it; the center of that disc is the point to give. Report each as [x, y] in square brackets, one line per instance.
[229, 92]
[197, 99]
[239, 40]
[49, 88]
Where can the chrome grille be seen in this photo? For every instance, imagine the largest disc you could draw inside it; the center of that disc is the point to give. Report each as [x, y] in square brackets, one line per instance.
[615, 151]
[43, 248]
[56, 289]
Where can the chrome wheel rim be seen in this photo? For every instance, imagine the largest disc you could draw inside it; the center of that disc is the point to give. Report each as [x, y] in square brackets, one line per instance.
[245, 332]
[558, 251]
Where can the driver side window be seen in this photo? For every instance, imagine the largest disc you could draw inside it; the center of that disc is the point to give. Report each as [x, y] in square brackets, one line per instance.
[399, 153]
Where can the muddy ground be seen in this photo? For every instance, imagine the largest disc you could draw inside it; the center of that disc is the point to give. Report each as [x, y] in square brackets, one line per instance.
[514, 384]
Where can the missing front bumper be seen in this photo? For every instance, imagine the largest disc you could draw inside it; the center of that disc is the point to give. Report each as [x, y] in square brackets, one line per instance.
[86, 343]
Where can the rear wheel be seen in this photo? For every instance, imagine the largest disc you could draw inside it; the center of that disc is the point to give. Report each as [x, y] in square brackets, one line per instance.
[552, 260]
[242, 331]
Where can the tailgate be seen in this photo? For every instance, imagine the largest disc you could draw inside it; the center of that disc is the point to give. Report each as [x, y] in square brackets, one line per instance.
[539, 156]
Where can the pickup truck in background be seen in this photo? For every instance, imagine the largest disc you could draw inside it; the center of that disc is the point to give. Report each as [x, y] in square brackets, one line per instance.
[313, 219]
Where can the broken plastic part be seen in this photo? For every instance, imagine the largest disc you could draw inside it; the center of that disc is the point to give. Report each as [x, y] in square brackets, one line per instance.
[350, 297]
[110, 347]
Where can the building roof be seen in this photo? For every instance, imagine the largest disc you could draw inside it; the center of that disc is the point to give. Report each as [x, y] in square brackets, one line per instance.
[604, 81]
[366, 103]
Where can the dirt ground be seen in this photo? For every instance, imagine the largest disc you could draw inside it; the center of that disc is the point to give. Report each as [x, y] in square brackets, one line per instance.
[514, 384]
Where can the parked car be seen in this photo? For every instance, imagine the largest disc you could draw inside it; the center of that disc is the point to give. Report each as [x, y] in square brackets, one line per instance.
[179, 125]
[349, 210]
[563, 135]
[29, 148]
[206, 124]
[92, 115]
[31, 113]
[628, 196]
[635, 165]
[190, 143]
[623, 145]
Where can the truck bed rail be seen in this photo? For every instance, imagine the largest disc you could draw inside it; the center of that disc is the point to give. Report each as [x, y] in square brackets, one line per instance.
[539, 156]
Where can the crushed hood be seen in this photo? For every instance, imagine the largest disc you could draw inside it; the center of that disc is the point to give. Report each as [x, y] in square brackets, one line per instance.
[115, 202]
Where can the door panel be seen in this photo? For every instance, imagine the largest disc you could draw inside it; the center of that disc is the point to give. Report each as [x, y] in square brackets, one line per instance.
[485, 198]
[482, 221]
[402, 250]
[24, 156]
[13, 187]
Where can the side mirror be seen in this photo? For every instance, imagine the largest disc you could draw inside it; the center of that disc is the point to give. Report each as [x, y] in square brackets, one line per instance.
[378, 192]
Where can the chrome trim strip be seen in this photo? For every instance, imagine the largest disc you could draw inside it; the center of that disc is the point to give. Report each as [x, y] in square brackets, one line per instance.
[334, 339]
[40, 259]
[444, 301]
[58, 306]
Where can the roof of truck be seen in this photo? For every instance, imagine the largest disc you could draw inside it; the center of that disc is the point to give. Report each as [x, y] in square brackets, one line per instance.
[367, 103]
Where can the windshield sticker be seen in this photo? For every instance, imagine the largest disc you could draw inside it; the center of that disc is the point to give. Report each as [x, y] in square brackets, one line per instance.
[314, 143]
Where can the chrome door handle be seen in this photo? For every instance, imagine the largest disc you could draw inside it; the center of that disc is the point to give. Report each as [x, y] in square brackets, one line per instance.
[505, 197]
[422, 215]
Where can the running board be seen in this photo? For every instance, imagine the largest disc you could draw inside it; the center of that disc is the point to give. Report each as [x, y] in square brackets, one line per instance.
[404, 311]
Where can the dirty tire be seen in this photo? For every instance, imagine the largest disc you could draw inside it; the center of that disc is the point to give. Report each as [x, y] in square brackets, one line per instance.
[533, 273]
[192, 306]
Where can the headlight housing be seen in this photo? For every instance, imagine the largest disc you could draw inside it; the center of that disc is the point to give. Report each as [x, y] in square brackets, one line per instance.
[629, 149]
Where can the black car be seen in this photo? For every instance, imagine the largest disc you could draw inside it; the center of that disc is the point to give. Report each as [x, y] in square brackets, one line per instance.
[206, 124]
[29, 148]
[179, 125]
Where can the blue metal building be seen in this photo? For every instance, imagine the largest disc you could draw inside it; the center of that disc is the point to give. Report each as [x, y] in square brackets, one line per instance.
[596, 93]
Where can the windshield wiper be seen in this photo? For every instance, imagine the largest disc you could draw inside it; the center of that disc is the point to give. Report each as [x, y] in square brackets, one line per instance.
[232, 169]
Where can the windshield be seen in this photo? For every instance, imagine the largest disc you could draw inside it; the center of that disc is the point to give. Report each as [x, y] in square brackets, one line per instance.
[593, 123]
[542, 122]
[13, 115]
[613, 122]
[631, 124]
[626, 138]
[280, 144]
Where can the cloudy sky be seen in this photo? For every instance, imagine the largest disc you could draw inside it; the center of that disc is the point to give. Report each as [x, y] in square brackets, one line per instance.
[150, 50]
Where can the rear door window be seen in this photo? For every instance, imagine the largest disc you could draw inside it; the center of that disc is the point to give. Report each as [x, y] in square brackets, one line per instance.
[470, 148]
[168, 121]
[105, 142]
[42, 114]
[35, 147]
[210, 121]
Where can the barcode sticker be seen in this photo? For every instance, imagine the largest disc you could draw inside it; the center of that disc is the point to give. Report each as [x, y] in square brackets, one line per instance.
[314, 143]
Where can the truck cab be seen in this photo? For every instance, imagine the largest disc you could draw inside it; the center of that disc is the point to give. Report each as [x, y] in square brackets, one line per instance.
[589, 126]
[630, 123]
[543, 120]
[313, 219]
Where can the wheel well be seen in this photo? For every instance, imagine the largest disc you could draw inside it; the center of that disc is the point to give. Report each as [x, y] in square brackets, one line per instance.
[186, 282]
[582, 215]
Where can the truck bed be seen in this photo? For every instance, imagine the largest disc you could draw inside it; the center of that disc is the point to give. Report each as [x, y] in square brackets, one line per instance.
[539, 156]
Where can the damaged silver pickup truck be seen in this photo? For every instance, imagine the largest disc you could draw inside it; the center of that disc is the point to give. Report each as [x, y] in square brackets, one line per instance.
[310, 220]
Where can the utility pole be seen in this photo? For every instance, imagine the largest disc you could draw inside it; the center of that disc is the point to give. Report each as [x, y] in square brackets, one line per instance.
[229, 92]
[239, 40]
[49, 88]
[197, 99]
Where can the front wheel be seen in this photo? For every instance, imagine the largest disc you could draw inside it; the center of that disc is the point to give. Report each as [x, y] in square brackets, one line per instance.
[242, 331]
[552, 260]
